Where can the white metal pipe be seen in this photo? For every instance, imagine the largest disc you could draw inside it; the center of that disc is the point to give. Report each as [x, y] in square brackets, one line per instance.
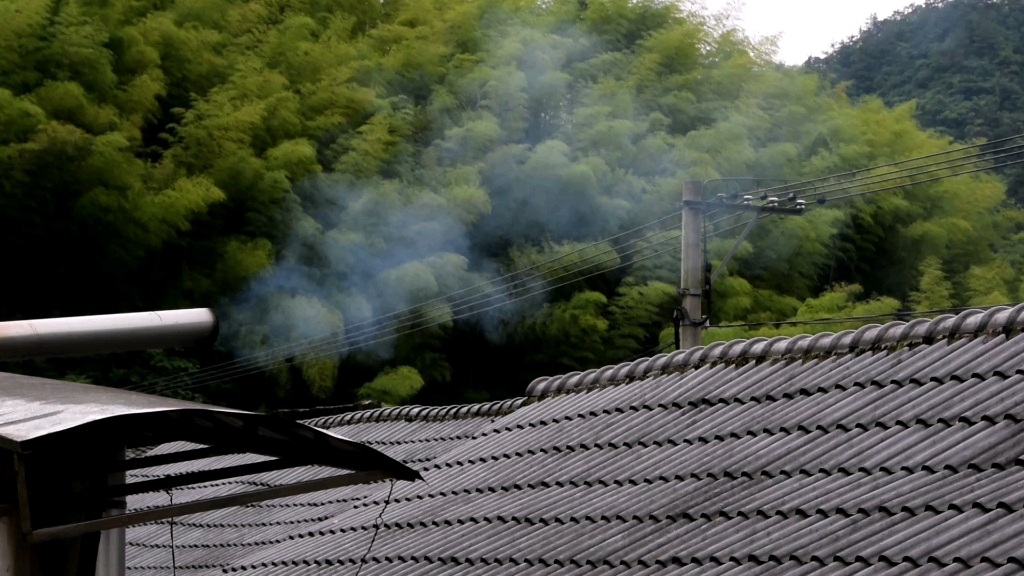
[82, 335]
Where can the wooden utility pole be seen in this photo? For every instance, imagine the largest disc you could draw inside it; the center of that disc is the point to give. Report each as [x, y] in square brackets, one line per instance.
[692, 280]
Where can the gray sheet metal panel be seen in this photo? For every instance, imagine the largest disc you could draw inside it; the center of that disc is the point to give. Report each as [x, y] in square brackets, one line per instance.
[31, 408]
[37, 412]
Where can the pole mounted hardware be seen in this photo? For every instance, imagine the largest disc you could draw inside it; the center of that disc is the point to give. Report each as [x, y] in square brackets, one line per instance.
[696, 277]
[743, 207]
[758, 211]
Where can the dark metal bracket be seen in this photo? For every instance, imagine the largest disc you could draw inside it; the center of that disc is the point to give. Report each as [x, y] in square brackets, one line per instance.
[165, 512]
[169, 458]
[681, 317]
[212, 475]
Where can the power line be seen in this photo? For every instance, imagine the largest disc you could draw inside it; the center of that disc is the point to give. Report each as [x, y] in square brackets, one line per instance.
[187, 381]
[291, 349]
[392, 326]
[299, 345]
[438, 323]
[825, 188]
[877, 190]
[858, 194]
[340, 338]
[656, 350]
[891, 164]
[822, 189]
[982, 169]
[920, 173]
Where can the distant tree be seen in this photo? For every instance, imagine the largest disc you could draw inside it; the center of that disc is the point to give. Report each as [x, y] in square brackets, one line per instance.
[392, 387]
[934, 292]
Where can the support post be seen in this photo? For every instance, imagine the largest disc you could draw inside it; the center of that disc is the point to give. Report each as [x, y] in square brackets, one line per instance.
[692, 278]
[110, 557]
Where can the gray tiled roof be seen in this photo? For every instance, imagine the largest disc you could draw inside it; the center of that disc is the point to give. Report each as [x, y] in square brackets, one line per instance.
[895, 449]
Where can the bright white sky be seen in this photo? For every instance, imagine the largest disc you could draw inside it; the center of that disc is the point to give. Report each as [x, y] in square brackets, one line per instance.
[808, 27]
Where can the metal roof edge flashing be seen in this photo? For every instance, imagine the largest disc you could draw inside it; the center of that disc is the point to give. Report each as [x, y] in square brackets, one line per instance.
[1002, 319]
[419, 413]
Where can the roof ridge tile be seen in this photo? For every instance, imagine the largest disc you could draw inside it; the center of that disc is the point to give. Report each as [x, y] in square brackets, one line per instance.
[419, 413]
[969, 322]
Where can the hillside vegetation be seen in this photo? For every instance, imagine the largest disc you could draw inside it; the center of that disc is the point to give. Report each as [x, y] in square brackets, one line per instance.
[309, 165]
[960, 61]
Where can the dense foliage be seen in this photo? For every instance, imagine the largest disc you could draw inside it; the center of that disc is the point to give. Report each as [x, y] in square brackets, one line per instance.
[308, 166]
[960, 61]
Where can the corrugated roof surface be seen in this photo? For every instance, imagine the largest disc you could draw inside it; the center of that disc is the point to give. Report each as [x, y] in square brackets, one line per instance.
[891, 456]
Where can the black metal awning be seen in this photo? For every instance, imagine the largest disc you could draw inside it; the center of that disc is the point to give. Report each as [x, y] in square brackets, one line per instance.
[68, 442]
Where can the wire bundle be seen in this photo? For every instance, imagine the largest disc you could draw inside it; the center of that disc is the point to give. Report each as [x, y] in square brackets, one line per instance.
[536, 279]
[961, 161]
[496, 293]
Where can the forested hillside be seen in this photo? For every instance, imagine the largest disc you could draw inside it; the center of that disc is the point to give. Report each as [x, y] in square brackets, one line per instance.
[311, 166]
[960, 61]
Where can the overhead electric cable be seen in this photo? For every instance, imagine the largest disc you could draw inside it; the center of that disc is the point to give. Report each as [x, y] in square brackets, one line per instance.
[370, 332]
[877, 190]
[656, 350]
[191, 378]
[822, 189]
[438, 323]
[891, 164]
[981, 169]
[298, 346]
[872, 179]
[920, 173]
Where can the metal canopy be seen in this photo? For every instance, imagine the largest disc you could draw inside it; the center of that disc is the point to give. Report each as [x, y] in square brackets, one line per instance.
[67, 441]
[41, 415]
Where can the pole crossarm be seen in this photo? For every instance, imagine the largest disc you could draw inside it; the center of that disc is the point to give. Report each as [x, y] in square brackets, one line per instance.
[207, 505]
[760, 208]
